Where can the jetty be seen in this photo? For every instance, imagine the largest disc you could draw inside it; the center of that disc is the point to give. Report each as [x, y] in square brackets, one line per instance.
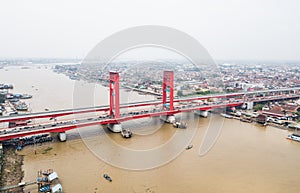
[21, 184]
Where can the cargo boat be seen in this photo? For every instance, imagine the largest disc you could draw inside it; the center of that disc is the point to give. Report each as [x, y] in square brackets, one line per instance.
[226, 116]
[294, 137]
[246, 120]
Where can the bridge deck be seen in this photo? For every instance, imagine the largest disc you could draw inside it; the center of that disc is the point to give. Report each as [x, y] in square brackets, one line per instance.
[53, 114]
[68, 125]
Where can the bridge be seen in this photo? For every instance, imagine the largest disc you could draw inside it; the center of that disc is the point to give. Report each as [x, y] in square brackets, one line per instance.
[113, 114]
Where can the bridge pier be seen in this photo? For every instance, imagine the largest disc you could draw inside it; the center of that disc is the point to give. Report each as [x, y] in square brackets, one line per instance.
[249, 105]
[62, 136]
[201, 113]
[168, 118]
[115, 127]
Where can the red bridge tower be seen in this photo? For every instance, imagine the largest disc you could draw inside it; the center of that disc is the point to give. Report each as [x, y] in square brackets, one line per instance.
[114, 107]
[168, 87]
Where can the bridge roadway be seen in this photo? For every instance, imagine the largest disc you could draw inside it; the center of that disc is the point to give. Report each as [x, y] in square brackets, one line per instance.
[58, 113]
[68, 125]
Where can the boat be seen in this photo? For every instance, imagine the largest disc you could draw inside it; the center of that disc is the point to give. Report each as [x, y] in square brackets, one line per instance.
[237, 113]
[26, 96]
[180, 125]
[17, 96]
[261, 119]
[107, 177]
[294, 137]
[21, 106]
[126, 133]
[48, 182]
[57, 188]
[246, 120]
[189, 147]
[294, 126]
[9, 96]
[45, 188]
[14, 100]
[6, 86]
[226, 116]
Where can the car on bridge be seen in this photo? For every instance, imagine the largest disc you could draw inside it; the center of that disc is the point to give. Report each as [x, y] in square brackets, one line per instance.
[74, 122]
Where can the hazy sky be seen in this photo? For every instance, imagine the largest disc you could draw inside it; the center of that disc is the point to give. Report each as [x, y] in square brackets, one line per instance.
[229, 29]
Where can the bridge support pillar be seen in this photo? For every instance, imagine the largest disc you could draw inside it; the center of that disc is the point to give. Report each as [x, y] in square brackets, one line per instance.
[201, 113]
[115, 127]
[168, 118]
[62, 136]
[249, 105]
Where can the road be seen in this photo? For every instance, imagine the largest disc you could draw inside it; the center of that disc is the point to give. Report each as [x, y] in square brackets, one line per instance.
[62, 126]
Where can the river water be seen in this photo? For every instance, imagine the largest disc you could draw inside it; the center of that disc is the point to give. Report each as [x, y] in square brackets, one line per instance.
[245, 158]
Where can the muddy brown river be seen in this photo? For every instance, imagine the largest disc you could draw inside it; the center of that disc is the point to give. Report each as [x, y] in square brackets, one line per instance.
[246, 157]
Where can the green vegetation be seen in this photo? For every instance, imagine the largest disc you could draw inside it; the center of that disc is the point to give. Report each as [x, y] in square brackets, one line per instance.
[180, 93]
[199, 92]
[258, 107]
[203, 92]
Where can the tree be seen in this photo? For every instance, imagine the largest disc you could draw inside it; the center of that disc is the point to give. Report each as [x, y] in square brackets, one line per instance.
[179, 93]
[258, 107]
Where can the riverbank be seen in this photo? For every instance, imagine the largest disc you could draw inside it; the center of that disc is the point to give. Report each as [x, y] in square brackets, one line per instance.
[12, 173]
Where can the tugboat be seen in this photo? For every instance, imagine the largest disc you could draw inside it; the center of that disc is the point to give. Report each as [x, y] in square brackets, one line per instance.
[107, 177]
[126, 133]
[294, 137]
[189, 147]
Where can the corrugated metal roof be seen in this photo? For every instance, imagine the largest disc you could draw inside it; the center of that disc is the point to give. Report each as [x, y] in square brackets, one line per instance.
[52, 176]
